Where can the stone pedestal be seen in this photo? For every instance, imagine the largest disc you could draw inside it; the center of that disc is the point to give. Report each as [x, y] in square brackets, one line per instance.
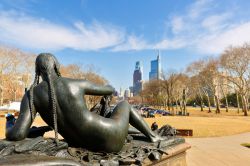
[175, 156]
[43, 151]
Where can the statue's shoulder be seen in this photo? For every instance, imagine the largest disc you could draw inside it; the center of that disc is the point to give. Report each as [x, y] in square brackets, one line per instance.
[70, 81]
[71, 86]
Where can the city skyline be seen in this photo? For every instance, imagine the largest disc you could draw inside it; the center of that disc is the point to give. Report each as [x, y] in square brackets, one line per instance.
[110, 38]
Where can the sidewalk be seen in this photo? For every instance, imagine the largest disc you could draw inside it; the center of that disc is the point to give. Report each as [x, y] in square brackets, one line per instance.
[219, 151]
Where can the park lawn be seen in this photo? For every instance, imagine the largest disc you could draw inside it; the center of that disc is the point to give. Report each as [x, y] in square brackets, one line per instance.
[195, 111]
[206, 126]
[203, 124]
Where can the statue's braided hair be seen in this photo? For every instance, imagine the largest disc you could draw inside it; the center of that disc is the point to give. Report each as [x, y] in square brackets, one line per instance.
[46, 62]
[31, 97]
[53, 101]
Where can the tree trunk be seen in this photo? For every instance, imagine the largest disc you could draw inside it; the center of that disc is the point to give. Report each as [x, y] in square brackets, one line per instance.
[142, 100]
[214, 102]
[176, 103]
[1, 97]
[201, 107]
[181, 106]
[226, 104]
[15, 92]
[217, 104]
[184, 102]
[1, 88]
[244, 105]
[165, 104]
[225, 96]
[209, 104]
[172, 107]
[238, 102]
[168, 103]
[247, 103]
[201, 101]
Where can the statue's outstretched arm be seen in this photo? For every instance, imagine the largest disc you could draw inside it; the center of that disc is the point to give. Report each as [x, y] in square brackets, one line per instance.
[93, 89]
[21, 128]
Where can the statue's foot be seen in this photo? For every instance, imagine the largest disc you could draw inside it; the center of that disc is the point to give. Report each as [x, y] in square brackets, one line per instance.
[157, 138]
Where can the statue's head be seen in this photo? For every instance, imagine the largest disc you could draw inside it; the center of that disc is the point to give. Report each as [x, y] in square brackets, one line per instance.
[46, 63]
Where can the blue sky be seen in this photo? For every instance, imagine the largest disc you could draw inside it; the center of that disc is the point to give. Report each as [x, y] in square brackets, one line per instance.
[112, 35]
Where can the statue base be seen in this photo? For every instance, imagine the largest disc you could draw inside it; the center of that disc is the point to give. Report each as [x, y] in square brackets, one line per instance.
[136, 151]
[175, 156]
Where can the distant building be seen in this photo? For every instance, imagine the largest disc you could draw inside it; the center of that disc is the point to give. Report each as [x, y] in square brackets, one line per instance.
[126, 93]
[156, 71]
[137, 78]
[116, 94]
[131, 91]
[121, 93]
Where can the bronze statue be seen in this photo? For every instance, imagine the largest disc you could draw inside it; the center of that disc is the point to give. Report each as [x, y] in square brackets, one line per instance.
[60, 103]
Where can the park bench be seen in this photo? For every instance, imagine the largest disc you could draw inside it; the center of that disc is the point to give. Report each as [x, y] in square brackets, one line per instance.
[184, 132]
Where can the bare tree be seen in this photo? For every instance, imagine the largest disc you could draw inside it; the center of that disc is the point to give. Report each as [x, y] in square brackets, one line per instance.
[236, 62]
[5, 65]
[211, 78]
[225, 96]
[28, 68]
[195, 90]
[152, 93]
[196, 70]
[168, 85]
[15, 83]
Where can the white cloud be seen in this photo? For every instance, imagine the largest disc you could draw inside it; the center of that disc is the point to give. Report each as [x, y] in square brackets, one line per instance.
[200, 28]
[207, 30]
[215, 22]
[132, 43]
[235, 36]
[198, 8]
[170, 44]
[36, 33]
[177, 24]
[135, 43]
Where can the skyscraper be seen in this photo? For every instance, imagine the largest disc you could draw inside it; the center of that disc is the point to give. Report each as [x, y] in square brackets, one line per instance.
[137, 78]
[156, 71]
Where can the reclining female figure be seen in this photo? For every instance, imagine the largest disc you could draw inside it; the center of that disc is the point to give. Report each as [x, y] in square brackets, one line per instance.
[61, 105]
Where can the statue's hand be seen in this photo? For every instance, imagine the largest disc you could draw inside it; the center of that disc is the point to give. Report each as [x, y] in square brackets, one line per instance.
[107, 99]
[10, 121]
[111, 87]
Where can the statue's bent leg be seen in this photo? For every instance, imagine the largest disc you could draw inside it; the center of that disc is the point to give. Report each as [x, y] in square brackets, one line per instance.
[124, 113]
[121, 115]
[139, 123]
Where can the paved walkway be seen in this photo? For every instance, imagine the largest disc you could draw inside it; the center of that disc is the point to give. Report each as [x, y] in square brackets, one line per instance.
[219, 151]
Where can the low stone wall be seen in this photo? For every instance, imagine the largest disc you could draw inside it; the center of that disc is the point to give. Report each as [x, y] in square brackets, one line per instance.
[43, 150]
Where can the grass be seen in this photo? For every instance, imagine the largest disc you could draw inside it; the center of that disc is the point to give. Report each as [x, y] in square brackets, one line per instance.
[206, 126]
[203, 124]
[195, 111]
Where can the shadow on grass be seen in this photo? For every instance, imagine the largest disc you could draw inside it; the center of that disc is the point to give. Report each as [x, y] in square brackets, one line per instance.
[245, 145]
